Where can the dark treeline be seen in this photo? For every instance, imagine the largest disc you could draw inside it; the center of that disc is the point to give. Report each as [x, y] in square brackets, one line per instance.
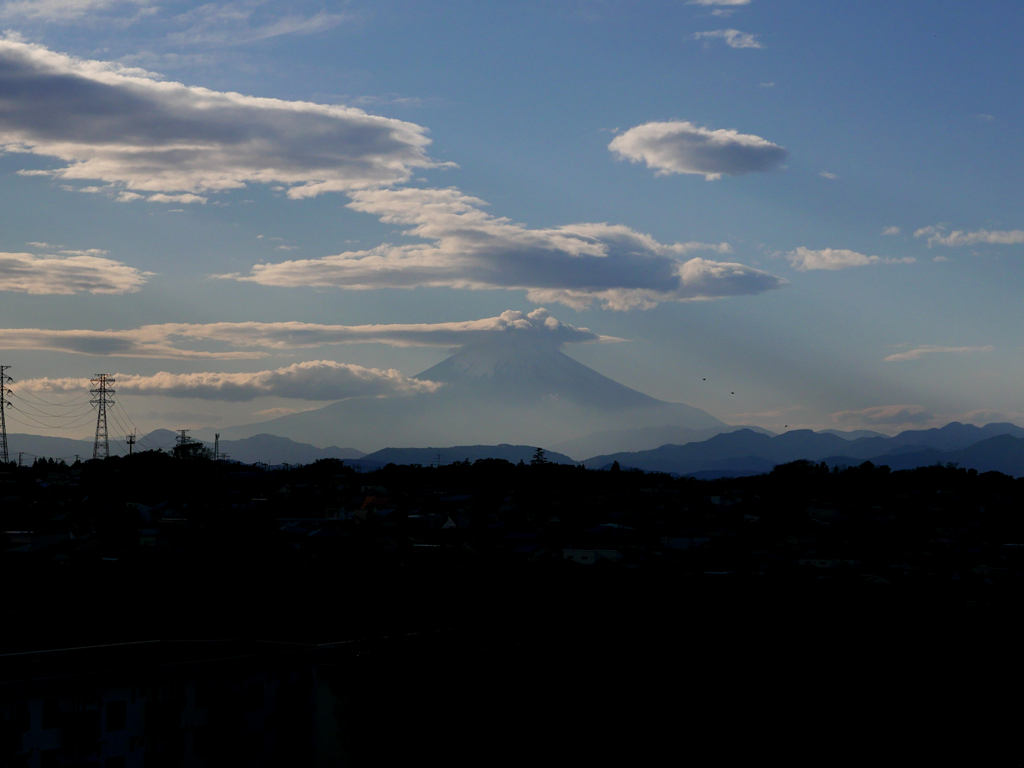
[498, 607]
[192, 547]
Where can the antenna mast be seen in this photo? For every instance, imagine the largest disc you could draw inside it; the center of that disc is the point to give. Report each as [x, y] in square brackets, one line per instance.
[4, 392]
[216, 446]
[104, 397]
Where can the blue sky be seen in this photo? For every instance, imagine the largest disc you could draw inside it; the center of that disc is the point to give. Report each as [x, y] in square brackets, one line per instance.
[869, 196]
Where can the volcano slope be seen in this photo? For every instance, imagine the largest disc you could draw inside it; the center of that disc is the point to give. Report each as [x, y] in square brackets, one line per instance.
[514, 388]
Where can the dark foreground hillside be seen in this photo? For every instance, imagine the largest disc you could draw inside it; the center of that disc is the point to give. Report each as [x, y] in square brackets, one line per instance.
[483, 612]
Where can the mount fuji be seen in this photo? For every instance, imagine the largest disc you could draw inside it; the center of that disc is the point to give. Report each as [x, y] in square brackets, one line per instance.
[515, 388]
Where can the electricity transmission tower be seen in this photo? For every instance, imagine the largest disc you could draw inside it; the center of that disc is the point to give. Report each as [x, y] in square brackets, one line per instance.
[131, 439]
[4, 392]
[104, 397]
[216, 446]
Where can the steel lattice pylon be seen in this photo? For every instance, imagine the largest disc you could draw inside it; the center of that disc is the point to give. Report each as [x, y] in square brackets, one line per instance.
[4, 392]
[104, 397]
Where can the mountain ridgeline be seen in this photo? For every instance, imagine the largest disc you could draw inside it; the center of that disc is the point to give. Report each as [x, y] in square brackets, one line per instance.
[994, 447]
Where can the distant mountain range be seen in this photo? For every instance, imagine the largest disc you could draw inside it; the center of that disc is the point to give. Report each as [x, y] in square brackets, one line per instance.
[272, 450]
[994, 447]
[426, 456]
[641, 438]
[268, 448]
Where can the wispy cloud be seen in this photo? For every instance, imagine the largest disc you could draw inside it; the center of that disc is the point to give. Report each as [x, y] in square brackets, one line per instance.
[718, 2]
[732, 37]
[220, 24]
[253, 340]
[805, 259]
[889, 231]
[828, 175]
[313, 380]
[677, 146]
[131, 130]
[65, 10]
[68, 273]
[575, 265]
[930, 349]
[937, 236]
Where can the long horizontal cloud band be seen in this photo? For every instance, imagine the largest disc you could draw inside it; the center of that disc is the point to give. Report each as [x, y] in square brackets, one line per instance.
[67, 274]
[314, 380]
[959, 238]
[931, 349]
[574, 265]
[127, 128]
[251, 340]
[805, 259]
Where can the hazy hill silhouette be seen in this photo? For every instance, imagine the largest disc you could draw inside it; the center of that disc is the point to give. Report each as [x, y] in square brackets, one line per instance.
[426, 456]
[641, 439]
[515, 389]
[748, 450]
[1003, 453]
[269, 448]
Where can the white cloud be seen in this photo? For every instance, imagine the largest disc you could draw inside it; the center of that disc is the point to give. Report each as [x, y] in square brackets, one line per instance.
[930, 349]
[942, 258]
[937, 236]
[885, 415]
[718, 2]
[186, 198]
[828, 258]
[891, 231]
[313, 380]
[129, 129]
[732, 37]
[676, 146]
[805, 259]
[470, 249]
[253, 340]
[73, 272]
[828, 175]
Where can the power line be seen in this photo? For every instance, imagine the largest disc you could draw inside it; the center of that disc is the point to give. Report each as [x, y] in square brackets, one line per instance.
[78, 410]
[73, 402]
[35, 421]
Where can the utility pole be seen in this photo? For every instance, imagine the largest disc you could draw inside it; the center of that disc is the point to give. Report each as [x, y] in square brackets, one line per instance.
[104, 397]
[4, 392]
[130, 439]
[216, 446]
